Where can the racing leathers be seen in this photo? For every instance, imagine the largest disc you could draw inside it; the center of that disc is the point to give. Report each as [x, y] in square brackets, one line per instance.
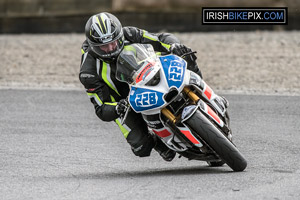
[104, 90]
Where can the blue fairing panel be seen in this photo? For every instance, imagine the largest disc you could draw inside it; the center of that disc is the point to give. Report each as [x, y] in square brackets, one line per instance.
[174, 69]
[142, 99]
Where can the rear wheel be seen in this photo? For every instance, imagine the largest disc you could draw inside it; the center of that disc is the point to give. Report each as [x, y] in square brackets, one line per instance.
[217, 141]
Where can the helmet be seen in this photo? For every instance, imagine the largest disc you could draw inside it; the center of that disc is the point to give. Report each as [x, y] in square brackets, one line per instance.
[105, 36]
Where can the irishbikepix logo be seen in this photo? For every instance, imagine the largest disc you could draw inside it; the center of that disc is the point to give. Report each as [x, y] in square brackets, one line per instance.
[227, 16]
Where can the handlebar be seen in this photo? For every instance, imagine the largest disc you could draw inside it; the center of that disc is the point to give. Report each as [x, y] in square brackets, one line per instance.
[188, 53]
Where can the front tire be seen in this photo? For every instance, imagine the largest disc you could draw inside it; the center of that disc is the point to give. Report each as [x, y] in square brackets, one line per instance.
[215, 164]
[217, 141]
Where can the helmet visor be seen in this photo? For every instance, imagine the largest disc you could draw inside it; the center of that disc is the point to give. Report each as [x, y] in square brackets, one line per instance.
[108, 49]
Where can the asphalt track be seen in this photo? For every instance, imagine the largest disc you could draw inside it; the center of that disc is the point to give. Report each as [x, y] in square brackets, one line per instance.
[52, 146]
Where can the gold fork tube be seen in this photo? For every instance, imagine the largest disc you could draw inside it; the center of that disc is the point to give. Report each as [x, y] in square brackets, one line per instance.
[169, 115]
[191, 94]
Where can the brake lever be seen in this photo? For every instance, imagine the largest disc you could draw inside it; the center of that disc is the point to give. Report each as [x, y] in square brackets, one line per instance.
[188, 53]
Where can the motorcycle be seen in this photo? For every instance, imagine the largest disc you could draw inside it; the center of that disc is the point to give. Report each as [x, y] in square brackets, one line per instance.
[178, 106]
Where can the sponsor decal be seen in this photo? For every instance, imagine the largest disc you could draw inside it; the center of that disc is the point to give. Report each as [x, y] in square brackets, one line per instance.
[87, 75]
[145, 72]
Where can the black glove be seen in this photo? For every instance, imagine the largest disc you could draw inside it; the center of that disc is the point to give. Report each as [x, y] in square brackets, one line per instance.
[179, 49]
[122, 107]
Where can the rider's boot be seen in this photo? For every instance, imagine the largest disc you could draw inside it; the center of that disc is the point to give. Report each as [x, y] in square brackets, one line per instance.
[166, 153]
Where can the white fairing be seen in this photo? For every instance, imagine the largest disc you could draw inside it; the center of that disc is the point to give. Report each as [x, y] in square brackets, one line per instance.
[151, 79]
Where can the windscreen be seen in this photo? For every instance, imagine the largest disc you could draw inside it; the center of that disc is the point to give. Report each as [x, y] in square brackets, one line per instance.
[133, 59]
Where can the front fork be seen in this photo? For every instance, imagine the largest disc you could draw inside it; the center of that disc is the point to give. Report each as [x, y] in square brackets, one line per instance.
[203, 107]
[168, 114]
[184, 133]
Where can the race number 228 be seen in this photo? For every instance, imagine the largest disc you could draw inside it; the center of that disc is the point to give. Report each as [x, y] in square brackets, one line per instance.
[146, 99]
[175, 71]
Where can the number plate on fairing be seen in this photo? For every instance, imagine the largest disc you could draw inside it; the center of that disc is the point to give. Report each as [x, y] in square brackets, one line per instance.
[142, 99]
[174, 69]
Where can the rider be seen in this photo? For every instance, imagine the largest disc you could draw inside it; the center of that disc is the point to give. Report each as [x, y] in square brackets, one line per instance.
[105, 39]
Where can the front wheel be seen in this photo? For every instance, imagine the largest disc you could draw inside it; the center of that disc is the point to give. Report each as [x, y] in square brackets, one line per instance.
[217, 141]
[215, 164]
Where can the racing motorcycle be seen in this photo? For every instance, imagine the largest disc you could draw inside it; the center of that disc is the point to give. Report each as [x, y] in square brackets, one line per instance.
[178, 106]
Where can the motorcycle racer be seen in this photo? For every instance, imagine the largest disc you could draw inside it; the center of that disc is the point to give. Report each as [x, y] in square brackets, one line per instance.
[105, 39]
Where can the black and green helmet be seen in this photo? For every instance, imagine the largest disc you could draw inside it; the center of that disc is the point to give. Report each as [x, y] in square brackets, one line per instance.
[105, 36]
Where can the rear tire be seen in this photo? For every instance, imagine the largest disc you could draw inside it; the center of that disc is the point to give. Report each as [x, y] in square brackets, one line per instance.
[217, 141]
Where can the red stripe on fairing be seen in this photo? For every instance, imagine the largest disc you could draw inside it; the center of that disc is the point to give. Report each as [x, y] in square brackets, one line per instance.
[189, 135]
[208, 92]
[163, 133]
[213, 114]
[141, 74]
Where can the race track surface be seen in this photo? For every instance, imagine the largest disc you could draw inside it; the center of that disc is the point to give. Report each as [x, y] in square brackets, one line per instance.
[52, 146]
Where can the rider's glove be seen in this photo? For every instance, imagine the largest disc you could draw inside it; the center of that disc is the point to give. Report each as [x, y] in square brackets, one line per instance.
[121, 107]
[179, 49]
